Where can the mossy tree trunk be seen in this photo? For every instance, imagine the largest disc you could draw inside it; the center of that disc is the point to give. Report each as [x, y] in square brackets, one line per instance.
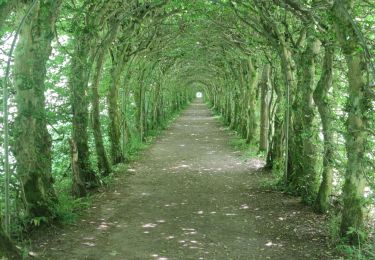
[85, 32]
[7, 248]
[103, 162]
[276, 151]
[244, 98]
[156, 104]
[326, 115]
[119, 56]
[264, 106]
[296, 132]
[288, 71]
[310, 174]
[85, 177]
[353, 190]
[251, 117]
[125, 126]
[32, 147]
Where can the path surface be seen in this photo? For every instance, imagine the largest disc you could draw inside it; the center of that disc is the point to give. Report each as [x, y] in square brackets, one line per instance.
[191, 196]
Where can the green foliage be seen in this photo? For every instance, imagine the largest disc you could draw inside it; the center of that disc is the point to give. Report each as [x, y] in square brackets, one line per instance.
[165, 51]
[69, 208]
[363, 252]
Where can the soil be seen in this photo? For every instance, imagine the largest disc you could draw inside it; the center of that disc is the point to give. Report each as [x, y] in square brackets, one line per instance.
[192, 196]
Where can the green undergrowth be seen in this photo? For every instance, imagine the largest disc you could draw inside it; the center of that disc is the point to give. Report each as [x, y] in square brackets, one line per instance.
[240, 144]
[68, 209]
[275, 181]
[363, 251]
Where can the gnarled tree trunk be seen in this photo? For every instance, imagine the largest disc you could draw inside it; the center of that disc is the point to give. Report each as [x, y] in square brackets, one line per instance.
[32, 147]
[309, 133]
[118, 63]
[353, 191]
[326, 116]
[264, 106]
[85, 177]
[103, 163]
[251, 118]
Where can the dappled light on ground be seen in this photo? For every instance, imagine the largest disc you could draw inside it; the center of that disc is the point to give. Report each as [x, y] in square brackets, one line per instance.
[201, 200]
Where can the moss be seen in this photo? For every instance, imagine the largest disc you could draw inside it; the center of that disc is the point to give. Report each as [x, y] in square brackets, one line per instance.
[7, 248]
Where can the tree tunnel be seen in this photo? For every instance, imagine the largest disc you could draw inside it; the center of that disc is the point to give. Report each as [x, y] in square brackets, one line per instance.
[89, 82]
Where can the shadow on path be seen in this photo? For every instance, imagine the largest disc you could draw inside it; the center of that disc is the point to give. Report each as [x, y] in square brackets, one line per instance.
[191, 196]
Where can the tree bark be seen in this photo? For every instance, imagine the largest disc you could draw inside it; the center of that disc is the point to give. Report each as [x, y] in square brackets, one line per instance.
[251, 118]
[353, 190]
[103, 163]
[32, 147]
[78, 85]
[118, 63]
[275, 157]
[264, 106]
[326, 116]
[7, 248]
[288, 70]
[156, 104]
[310, 174]
[78, 186]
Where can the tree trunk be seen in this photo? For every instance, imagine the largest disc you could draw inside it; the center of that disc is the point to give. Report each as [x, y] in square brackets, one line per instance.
[264, 106]
[326, 116]
[310, 138]
[353, 190]
[138, 95]
[275, 158]
[125, 126]
[290, 84]
[78, 186]
[115, 117]
[156, 105]
[7, 248]
[251, 118]
[78, 85]
[32, 147]
[103, 163]
[118, 63]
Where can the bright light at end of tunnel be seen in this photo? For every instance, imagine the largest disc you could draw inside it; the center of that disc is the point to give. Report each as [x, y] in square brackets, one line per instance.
[199, 94]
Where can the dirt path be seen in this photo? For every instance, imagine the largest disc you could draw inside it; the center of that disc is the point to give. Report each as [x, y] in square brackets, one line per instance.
[192, 197]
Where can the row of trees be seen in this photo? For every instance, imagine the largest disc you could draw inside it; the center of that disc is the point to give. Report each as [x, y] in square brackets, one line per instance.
[80, 67]
[293, 77]
[314, 113]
